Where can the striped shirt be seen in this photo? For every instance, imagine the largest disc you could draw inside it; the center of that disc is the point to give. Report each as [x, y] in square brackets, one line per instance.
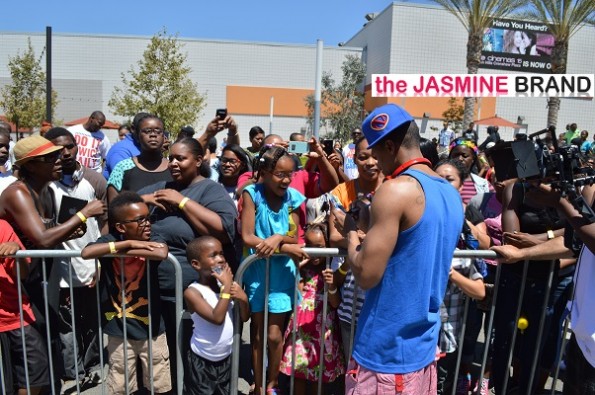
[468, 190]
[454, 302]
[347, 293]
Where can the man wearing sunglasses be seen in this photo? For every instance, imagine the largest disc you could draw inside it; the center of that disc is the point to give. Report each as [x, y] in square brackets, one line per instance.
[78, 185]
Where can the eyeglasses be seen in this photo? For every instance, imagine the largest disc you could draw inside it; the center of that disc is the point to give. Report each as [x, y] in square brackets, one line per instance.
[140, 221]
[149, 131]
[52, 157]
[282, 175]
[225, 160]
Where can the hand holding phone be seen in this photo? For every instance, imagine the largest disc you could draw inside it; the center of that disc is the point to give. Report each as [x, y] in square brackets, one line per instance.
[221, 113]
[328, 146]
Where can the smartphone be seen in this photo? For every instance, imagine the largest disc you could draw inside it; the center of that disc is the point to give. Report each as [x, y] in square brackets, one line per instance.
[298, 147]
[328, 146]
[221, 113]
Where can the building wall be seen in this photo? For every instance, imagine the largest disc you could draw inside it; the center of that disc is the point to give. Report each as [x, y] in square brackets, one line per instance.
[86, 68]
[428, 39]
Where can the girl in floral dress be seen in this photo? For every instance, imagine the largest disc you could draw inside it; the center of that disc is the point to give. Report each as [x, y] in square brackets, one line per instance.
[314, 275]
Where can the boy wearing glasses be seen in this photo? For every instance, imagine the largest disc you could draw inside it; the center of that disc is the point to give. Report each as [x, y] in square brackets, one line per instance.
[135, 321]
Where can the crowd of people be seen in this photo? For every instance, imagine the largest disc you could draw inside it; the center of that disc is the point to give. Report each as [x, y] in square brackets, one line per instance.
[398, 204]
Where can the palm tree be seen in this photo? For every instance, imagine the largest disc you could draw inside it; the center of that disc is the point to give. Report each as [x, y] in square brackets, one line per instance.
[564, 18]
[476, 16]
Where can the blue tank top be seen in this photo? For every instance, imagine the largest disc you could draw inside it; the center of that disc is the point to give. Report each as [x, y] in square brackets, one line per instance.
[399, 324]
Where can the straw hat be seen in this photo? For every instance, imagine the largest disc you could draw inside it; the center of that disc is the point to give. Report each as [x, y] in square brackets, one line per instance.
[32, 147]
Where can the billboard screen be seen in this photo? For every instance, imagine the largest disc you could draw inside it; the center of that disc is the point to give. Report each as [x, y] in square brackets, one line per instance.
[517, 46]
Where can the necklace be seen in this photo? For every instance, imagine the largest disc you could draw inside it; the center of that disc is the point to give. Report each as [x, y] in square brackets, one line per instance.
[407, 165]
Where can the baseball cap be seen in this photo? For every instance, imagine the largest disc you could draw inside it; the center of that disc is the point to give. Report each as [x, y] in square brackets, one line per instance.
[32, 147]
[383, 121]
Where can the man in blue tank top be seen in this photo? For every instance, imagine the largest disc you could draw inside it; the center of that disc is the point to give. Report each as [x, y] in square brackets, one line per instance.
[403, 263]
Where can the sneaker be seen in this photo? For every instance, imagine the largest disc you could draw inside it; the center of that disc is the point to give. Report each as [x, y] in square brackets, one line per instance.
[485, 387]
[463, 385]
[92, 378]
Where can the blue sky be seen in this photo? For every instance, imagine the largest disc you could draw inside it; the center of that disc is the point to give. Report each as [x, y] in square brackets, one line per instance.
[260, 20]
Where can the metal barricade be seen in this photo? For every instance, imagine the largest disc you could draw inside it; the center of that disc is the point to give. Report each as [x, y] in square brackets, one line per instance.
[334, 252]
[46, 254]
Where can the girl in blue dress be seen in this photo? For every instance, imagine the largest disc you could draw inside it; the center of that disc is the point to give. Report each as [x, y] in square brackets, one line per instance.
[269, 225]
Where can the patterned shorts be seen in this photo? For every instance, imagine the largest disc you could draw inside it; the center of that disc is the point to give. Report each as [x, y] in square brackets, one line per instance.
[361, 381]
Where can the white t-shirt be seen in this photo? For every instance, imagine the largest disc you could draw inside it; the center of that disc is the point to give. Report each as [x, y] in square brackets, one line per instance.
[5, 181]
[83, 270]
[93, 147]
[582, 319]
[209, 341]
[349, 167]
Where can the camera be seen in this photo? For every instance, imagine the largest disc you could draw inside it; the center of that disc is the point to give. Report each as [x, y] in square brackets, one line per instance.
[561, 167]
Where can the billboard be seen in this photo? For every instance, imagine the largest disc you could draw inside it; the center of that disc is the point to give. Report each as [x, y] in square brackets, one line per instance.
[515, 45]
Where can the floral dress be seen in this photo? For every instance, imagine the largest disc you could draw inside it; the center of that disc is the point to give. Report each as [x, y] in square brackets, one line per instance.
[309, 328]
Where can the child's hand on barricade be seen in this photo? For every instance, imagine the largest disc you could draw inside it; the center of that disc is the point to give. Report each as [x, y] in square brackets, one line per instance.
[327, 274]
[144, 245]
[9, 248]
[269, 246]
[296, 252]
[238, 293]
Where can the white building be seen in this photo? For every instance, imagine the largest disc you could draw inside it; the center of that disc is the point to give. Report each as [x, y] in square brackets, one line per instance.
[239, 76]
[243, 76]
[413, 38]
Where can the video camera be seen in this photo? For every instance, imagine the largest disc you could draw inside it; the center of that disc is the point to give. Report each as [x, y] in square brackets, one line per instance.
[561, 167]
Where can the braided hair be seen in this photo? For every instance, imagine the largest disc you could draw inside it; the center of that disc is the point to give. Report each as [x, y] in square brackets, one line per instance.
[267, 159]
[319, 227]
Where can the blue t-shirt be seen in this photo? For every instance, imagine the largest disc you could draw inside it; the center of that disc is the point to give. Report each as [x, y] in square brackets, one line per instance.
[399, 324]
[267, 223]
[124, 149]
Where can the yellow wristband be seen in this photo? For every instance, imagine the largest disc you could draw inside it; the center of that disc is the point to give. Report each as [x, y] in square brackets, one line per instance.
[112, 247]
[81, 216]
[183, 203]
[550, 234]
[224, 295]
[343, 272]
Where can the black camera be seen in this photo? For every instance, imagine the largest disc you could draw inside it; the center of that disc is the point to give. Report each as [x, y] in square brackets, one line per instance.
[561, 167]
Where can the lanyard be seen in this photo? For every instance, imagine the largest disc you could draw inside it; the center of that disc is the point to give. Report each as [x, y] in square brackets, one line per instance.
[407, 165]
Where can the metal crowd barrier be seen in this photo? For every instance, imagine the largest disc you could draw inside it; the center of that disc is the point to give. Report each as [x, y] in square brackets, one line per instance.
[335, 252]
[44, 254]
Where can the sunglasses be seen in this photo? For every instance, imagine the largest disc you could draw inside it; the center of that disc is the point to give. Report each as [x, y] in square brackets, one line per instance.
[48, 158]
[140, 221]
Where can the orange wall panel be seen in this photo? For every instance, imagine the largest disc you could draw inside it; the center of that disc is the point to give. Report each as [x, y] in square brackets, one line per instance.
[435, 106]
[254, 100]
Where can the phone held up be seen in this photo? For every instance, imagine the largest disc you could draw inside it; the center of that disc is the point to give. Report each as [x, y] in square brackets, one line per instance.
[221, 113]
[328, 146]
[298, 147]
